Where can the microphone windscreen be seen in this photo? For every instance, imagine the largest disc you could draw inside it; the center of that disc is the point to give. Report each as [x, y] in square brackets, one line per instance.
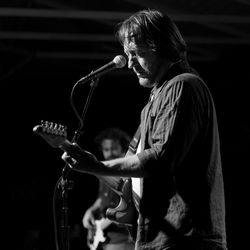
[120, 61]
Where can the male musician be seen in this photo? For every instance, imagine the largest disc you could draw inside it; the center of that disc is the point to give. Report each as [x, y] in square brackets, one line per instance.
[103, 233]
[176, 173]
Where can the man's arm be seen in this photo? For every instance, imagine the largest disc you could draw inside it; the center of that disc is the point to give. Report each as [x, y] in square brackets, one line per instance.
[85, 162]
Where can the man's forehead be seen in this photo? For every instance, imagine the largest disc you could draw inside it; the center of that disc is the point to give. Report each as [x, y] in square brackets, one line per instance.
[132, 45]
[108, 141]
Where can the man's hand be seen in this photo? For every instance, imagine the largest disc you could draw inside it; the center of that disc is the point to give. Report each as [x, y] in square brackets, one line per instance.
[80, 159]
[88, 220]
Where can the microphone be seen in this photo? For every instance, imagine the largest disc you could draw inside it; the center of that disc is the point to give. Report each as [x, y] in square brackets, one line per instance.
[118, 62]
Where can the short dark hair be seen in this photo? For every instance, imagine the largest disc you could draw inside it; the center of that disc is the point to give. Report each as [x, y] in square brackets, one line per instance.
[115, 134]
[155, 30]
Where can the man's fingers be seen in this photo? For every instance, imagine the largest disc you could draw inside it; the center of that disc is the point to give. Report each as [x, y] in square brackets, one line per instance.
[69, 160]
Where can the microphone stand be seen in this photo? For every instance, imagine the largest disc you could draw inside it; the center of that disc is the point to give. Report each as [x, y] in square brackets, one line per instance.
[66, 184]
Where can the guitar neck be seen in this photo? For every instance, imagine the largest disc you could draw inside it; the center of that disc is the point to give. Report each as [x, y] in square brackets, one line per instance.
[65, 145]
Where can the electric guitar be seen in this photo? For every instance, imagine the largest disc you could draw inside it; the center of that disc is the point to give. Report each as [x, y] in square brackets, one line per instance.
[96, 236]
[125, 212]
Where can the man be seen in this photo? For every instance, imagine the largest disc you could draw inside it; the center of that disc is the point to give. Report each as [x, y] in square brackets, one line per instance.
[176, 170]
[102, 232]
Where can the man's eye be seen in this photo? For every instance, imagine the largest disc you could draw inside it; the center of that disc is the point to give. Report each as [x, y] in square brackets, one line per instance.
[141, 53]
[131, 54]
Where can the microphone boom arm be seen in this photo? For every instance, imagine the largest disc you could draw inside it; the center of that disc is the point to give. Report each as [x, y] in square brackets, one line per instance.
[118, 62]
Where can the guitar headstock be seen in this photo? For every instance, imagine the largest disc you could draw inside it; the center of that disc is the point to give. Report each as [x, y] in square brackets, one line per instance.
[54, 134]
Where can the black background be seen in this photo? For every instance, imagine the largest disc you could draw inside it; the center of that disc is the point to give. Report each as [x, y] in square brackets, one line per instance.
[36, 85]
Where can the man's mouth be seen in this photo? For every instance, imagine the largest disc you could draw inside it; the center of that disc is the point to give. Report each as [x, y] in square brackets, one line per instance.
[140, 74]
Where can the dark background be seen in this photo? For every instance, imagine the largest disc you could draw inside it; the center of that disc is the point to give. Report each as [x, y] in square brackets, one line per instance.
[43, 54]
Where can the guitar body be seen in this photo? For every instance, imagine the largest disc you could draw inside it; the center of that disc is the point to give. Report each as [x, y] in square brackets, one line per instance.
[56, 136]
[125, 212]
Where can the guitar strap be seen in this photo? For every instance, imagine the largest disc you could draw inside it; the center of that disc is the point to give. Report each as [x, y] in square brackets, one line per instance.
[131, 151]
[134, 142]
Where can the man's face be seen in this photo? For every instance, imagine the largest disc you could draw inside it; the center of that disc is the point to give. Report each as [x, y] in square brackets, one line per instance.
[111, 149]
[144, 62]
